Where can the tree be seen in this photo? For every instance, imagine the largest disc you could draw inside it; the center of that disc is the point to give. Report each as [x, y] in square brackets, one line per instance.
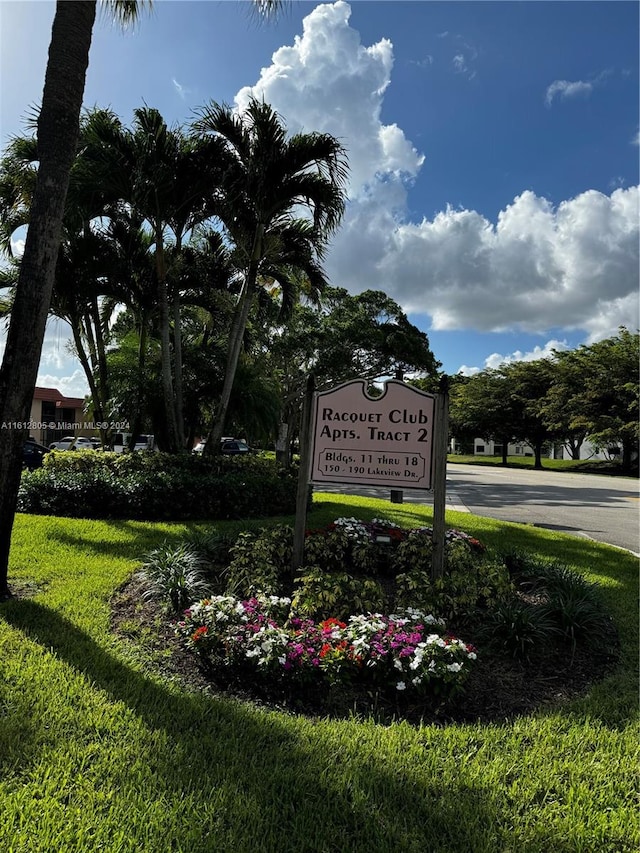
[599, 390]
[482, 406]
[365, 336]
[562, 407]
[155, 172]
[527, 383]
[57, 128]
[266, 180]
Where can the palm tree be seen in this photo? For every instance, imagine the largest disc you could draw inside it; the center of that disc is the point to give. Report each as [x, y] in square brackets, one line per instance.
[57, 128]
[266, 179]
[97, 268]
[156, 172]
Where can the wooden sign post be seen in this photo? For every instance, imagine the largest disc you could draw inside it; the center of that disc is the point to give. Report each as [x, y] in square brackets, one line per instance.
[440, 478]
[302, 494]
[348, 436]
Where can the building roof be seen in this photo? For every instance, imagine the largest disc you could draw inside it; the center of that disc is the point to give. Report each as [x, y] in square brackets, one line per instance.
[52, 395]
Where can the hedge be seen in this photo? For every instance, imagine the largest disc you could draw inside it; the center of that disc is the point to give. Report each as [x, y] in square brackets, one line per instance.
[157, 486]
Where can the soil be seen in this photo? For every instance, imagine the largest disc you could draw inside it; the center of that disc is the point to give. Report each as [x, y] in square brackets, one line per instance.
[499, 688]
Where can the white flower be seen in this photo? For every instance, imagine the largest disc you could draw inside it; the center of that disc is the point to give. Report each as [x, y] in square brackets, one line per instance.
[472, 656]
[401, 685]
[454, 667]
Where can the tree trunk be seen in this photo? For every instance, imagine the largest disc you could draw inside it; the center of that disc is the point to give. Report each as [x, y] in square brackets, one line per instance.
[98, 410]
[283, 445]
[177, 375]
[236, 336]
[165, 344]
[573, 445]
[57, 140]
[136, 423]
[101, 354]
[537, 451]
[505, 449]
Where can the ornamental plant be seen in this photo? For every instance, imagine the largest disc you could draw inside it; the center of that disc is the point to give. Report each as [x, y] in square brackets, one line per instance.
[408, 651]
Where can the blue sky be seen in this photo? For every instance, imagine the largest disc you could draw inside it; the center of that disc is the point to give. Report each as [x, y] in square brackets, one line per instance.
[493, 147]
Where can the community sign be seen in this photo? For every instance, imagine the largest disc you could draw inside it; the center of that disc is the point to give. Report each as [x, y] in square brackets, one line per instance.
[374, 441]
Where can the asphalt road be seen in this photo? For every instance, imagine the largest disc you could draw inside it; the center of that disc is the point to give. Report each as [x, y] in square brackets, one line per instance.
[606, 509]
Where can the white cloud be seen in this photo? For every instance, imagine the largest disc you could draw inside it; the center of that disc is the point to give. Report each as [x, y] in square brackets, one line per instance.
[636, 138]
[496, 360]
[462, 60]
[181, 90]
[327, 80]
[458, 63]
[17, 246]
[566, 89]
[537, 267]
[69, 385]
[422, 63]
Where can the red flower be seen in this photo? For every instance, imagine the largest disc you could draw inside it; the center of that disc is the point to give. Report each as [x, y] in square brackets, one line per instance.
[199, 633]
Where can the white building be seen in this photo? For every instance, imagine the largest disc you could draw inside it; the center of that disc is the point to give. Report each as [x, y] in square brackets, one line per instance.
[482, 447]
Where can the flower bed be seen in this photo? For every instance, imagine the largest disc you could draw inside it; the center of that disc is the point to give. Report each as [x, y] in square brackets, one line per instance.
[261, 637]
[381, 529]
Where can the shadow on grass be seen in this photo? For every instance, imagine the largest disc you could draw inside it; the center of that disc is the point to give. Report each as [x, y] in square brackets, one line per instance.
[306, 792]
[143, 536]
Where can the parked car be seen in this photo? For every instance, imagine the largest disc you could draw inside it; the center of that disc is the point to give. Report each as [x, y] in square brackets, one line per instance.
[230, 446]
[71, 442]
[235, 446]
[33, 453]
[120, 442]
[63, 443]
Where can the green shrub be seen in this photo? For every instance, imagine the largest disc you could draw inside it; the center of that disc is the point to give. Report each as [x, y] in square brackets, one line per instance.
[215, 547]
[470, 581]
[321, 594]
[176, 573]
[261, 562]
[346, 571]
[564, 606]
[415, 553]
[519, 628]
[157, 486]
[579, 617]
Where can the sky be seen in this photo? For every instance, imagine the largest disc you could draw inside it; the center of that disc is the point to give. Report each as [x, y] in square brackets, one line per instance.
[493, 148]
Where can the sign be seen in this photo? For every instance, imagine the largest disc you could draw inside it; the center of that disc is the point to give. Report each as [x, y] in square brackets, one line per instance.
[373, 441]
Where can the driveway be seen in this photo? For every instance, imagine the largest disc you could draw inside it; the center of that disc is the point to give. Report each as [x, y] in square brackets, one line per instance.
[606, 509]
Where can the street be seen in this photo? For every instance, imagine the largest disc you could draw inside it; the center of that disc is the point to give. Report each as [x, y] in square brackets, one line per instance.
[599, 507]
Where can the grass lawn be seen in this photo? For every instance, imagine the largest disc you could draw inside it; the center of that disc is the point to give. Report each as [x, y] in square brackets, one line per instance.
[99, 753]
[585, 466]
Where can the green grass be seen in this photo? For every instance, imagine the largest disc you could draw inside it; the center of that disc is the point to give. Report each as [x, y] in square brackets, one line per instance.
[584, 466]
[98, 753]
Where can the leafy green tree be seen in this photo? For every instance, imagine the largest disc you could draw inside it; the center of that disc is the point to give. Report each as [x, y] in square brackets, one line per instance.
[562, 408]
[482, 406]
[57, 134]
[597, 388]
[526, 384]
[365, 336]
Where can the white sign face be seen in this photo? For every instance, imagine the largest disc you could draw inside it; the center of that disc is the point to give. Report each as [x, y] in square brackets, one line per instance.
[373, 441]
